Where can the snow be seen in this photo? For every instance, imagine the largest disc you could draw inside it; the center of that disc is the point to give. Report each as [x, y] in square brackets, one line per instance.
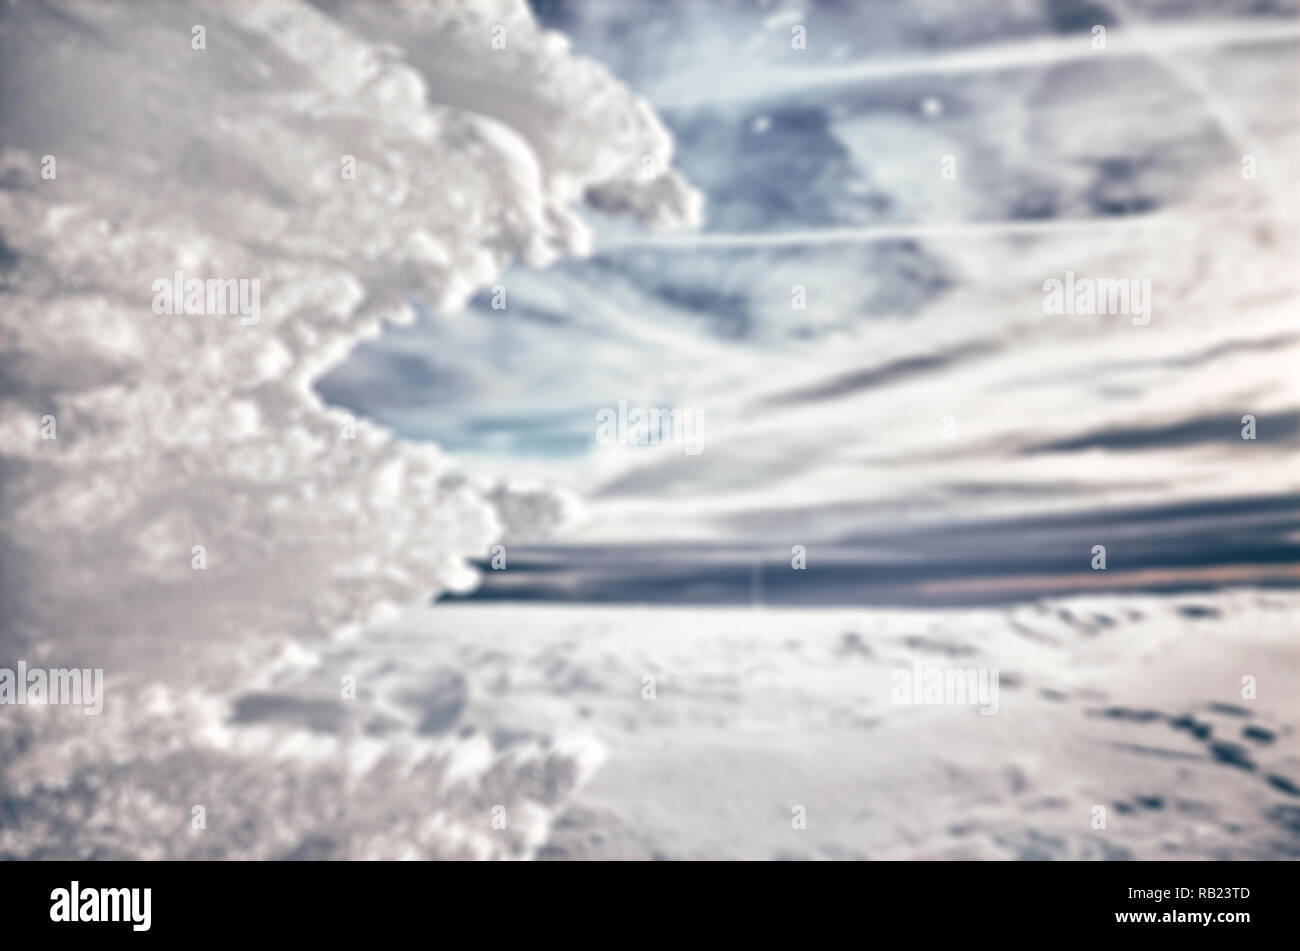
[173, 432]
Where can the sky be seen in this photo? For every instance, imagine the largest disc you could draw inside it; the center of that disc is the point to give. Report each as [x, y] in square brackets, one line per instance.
[859, 323]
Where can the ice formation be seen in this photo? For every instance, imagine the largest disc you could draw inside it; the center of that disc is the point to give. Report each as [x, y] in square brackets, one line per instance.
[135, 145]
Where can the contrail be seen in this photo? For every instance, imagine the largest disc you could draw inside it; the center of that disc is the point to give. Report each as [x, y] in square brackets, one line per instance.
[1194, 78]
[1133, 41]
[888, 232]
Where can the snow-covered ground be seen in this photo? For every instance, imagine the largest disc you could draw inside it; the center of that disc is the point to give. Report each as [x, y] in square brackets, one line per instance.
[1131, 703]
